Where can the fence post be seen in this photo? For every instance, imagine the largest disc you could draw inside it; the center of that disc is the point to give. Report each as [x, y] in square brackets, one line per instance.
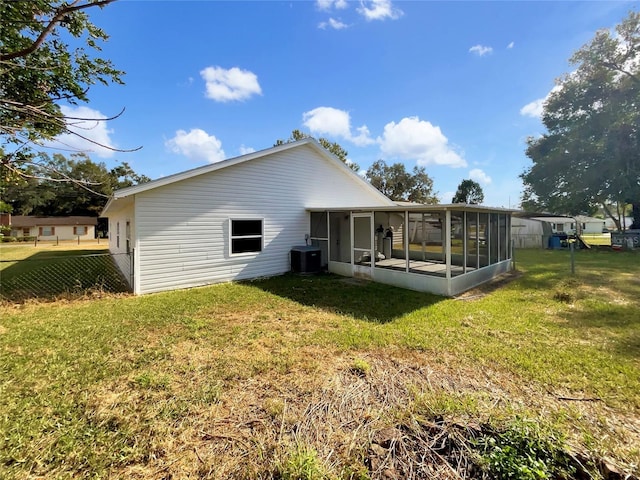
[132, 269]
[35, 242]
[78, 239]
[573, 267]
[57, 240]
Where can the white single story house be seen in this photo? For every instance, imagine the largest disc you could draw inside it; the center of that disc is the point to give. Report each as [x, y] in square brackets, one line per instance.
[559, 223]
[53, 228]
[241, 218]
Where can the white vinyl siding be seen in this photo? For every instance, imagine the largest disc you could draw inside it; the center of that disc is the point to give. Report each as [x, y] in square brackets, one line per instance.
[183, 228]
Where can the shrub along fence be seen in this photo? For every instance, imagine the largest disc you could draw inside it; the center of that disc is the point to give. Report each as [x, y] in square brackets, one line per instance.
[45, 276]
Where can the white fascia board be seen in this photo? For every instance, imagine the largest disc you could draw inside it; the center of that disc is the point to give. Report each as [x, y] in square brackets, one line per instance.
[454, 207]
[176, 177]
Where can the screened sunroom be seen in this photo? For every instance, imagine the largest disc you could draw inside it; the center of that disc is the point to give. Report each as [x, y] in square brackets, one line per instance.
[443, 249]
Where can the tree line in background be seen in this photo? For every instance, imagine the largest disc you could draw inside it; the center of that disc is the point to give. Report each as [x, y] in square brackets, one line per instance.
[589, 158]
[54, 195]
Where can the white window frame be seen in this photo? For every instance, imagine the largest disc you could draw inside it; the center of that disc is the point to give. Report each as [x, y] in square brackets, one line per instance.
[241, 237]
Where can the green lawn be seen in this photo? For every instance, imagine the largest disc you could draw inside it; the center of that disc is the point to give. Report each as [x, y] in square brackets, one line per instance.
[301, 377]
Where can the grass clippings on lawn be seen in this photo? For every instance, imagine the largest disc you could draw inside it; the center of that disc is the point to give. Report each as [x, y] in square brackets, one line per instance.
[315, 377]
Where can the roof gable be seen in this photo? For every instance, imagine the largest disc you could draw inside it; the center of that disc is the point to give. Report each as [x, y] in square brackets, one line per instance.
[188, 174]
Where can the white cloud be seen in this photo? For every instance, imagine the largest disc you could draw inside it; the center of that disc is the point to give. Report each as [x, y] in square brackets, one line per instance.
[229, 85]
[335, 123]
[245, 150]
[333, 23]
[446, 197]
[379, 10]
[415, 139]
[479, 176]
[535, 109]
[329, 4]
[363, 138]
[511, 45]
[481, 50]
[89, 132]
[197, 145]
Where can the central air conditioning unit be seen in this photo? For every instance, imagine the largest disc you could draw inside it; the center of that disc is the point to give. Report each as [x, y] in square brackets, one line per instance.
[306, 259]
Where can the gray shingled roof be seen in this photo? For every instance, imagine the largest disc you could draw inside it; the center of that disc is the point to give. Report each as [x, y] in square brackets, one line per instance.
[21, 221]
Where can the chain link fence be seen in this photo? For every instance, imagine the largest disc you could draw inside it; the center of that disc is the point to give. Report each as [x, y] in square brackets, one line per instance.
[49, 277]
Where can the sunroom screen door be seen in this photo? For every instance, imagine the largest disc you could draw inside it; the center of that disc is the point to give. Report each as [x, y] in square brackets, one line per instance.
[362, 242]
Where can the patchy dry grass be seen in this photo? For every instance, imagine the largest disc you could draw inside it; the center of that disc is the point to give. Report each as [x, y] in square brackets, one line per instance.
[318, 377]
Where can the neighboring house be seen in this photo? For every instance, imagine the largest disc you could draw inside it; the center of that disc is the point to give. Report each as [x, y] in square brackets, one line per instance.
[559, 224]
[532, 230]
[240, 218]
[571, 225]
[53, 228]
[588, 225]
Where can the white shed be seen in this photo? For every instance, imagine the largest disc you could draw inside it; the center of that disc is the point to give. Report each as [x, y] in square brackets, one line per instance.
[530, 232]
[231, 220]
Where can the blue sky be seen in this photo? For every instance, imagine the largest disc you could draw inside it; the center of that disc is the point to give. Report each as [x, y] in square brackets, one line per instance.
[453, 86]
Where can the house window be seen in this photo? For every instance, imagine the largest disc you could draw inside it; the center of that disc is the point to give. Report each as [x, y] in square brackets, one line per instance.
[246, 236]
[47, 231]
[560, 227]
[80, 230]
[118, 235]
[26, 232]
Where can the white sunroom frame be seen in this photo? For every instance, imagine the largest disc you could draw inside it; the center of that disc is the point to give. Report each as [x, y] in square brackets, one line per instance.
[447, 284]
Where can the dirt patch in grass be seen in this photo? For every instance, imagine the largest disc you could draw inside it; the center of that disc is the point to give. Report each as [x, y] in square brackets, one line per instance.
[247, 424]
